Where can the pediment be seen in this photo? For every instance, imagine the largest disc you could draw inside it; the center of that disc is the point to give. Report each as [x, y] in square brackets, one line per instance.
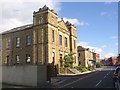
[62, 25]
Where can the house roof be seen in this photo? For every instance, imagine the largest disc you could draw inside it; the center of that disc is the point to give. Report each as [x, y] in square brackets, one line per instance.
[18, 28]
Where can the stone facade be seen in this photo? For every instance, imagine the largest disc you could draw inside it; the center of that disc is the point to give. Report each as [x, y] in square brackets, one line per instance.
[85, 56]
[49, 40]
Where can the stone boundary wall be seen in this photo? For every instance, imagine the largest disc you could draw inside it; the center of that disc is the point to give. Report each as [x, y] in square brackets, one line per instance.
[27, 75]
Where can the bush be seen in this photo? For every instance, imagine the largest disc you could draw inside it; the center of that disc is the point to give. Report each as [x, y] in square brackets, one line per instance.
[90, 68]
[98, 65]
[68, 60]
[79, 67]
[83, 69]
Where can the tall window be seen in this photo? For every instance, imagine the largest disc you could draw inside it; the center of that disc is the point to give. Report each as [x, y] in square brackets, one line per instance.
[53, 57]
[17, 59]
[52, 35]
[8, 41]
[7, 60]
[28, 40]
[61, 61]
[74, 44]
[28, 59]
[40, 20]
[60, 39]
[17, 42]
[65, 42]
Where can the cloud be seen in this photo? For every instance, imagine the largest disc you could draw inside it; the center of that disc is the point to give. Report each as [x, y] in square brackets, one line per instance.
[103, 13]
[104, 46]
[107, 55]
[108, 3]
[15, 13]
[114, 37]
[83, 44]
[75, 21]
[86, 45]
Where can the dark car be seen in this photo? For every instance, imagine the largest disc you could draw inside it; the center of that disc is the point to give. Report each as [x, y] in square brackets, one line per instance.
[116, 78]
[117, 65]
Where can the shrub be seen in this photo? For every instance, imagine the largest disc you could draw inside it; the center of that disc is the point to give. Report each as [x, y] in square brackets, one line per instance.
[98, 65]
[79, 67]
[83, 69]
[68, 60]
[90, 68]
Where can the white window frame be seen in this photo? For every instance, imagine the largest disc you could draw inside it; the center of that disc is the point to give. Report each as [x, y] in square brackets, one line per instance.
[28, 40]
[28, 58]
[17, 59]
[18, 42]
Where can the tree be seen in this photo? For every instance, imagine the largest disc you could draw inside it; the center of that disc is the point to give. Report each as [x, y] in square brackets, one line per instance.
[68, 60]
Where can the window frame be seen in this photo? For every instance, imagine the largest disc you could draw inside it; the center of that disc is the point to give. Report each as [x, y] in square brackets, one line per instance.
[60, 40]
[53, 36]
[74, 44]
[17, 59]
[66, 43]
[28, 57]
[17, 41]
[28, 41]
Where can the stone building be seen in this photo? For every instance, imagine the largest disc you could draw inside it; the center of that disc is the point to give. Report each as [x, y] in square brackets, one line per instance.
[85, 57]
[45, 41]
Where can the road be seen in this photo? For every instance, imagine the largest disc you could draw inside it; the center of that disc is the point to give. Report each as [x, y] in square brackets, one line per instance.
[102, 78]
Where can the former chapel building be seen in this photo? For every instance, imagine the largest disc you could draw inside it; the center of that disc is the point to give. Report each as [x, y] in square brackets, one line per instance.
[45, 41]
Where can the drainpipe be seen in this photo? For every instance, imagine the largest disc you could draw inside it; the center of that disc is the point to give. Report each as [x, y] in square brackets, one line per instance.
[37, 47]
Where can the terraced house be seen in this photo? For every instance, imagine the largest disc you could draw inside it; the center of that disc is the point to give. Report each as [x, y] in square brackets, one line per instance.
[45, 41]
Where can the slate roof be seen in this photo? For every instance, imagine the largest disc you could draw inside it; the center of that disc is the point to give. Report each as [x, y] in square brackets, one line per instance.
[19, 28]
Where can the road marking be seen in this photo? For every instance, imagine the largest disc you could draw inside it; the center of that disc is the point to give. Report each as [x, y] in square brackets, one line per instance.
[98, 83]
[104, 76]
[76, 80]
[108, 73]
[59, 82]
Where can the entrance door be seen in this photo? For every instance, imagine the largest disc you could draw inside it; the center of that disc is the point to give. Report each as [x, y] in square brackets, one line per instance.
[61, 61]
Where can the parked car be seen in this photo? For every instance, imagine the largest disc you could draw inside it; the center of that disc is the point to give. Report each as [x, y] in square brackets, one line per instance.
[117, 65]
[116, 78]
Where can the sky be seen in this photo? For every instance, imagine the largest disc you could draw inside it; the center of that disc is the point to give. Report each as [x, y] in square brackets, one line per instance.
[96, 22]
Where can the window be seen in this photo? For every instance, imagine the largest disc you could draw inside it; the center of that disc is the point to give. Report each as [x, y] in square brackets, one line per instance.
[65, 42]
[28, 59]
[9, 43]
[61, 61]
[28, 40]
[53, 57]
[7, 60]
[60, 39]
[52, 35]
[17, 42]
[74, 44]
[17, 59]
[40, 20]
